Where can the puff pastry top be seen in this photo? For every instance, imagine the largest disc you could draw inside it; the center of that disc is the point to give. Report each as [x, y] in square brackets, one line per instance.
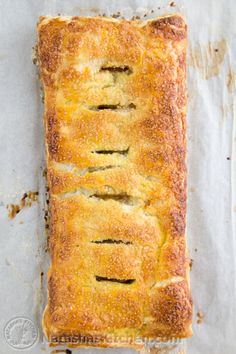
[115, 107]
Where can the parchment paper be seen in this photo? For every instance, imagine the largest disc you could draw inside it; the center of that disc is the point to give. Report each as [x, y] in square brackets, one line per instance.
[211, 162]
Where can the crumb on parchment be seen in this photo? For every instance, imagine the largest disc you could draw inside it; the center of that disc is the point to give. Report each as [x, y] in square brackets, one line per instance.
[200, 317]
[26, 201]
[34, 55]
[190, 263]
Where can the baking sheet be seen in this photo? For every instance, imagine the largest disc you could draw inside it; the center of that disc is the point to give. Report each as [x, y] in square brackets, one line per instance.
[211, 140]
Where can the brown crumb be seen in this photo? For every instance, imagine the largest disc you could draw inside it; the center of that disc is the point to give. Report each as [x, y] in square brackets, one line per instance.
[191, 264]
[115, 15]
[46, 219]
[42, 274]
[26, 201]
[200, 317]
[46, 210]
[13, 210]
[28, 198]
[216, 50]
[35, 55]
[24, 196]
[135, 18]
[172, 4]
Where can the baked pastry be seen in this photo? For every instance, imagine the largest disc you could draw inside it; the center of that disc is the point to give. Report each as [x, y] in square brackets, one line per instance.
[115, 107]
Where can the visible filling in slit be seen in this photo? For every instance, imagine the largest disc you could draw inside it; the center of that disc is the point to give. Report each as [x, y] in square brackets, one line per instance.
[117, 69]
[81, 172]
[114, 280]
[113, 107]
[111, 241]
[109, 152]
[122, 198]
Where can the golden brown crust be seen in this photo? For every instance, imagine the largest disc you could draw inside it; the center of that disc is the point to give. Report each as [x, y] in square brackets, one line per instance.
[115, 107]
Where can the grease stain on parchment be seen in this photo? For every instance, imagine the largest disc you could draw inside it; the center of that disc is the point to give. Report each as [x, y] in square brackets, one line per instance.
[231, 80]
[162, 350]
[208, 59]
[226, 109]
[83, 11]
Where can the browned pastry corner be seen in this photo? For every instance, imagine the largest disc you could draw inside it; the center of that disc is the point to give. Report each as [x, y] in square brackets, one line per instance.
[115, 113]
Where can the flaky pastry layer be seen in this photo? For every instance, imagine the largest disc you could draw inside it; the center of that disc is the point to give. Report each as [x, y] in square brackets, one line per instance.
[115, 113]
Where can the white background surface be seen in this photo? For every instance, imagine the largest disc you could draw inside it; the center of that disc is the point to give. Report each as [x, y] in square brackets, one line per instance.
[211, 139]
